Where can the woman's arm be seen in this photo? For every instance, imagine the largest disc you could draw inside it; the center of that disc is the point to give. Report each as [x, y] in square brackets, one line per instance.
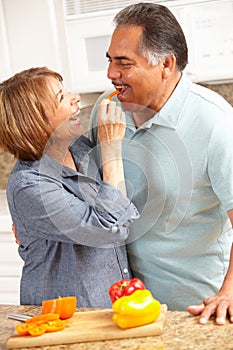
[111, 130]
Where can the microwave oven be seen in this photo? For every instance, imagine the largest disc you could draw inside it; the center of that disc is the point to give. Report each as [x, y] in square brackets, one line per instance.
[206, 25]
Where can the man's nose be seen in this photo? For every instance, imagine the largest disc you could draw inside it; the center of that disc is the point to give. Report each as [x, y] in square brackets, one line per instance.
[113, 72]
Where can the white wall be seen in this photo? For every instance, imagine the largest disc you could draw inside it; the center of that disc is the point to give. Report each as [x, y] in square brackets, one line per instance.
[10, 262]
[39, 32]
[32, 34]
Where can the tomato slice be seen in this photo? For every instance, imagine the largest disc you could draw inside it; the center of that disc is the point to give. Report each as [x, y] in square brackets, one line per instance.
[41, 324]
[35, 330]
[22, 329]
[56, 325]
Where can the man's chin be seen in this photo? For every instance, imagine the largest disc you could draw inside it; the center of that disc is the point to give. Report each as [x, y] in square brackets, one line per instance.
[132, 107]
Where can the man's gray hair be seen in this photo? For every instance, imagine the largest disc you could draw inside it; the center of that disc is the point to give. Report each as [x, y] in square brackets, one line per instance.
[162, 34]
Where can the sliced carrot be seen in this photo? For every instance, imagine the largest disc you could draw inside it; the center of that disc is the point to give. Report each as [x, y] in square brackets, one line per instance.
[116, 92]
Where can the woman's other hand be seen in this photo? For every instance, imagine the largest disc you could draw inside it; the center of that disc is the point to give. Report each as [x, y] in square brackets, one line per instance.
[15, 234]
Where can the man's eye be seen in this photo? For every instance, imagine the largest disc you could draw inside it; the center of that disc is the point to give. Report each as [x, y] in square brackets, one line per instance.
[125, 64]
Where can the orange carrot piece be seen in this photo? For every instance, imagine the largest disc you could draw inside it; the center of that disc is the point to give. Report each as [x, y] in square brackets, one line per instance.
[116, 92]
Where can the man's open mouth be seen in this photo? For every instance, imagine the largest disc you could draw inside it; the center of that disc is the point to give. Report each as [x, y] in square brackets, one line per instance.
[121, 88]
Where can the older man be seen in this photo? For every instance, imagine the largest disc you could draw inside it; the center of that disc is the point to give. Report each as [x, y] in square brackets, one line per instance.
[178, 161]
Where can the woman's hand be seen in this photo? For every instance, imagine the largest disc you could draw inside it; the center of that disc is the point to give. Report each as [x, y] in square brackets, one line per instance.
[15, 234]
[111, 131]
[111, 122]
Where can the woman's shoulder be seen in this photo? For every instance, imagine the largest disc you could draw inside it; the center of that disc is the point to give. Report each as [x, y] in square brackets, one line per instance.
[24, 173]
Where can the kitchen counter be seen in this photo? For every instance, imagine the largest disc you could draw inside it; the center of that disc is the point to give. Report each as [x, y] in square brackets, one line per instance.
[181, 332]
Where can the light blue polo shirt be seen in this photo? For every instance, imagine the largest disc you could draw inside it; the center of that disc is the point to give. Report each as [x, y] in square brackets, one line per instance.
[179, 172]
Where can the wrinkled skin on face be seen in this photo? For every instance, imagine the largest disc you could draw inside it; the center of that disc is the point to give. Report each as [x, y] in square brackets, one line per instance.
[141, 85]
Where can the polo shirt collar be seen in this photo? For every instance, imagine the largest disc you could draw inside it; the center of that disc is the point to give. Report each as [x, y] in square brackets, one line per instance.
[169, 114]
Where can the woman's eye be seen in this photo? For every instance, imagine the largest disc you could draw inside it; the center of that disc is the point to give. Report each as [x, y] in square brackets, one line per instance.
[61, 97]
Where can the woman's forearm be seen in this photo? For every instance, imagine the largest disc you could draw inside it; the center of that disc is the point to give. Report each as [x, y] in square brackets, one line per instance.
[111, 130]
[113, 171]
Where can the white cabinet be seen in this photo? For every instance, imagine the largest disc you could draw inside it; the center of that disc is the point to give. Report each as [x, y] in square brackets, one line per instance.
[10, 262]
[32, 34]
[10, 269]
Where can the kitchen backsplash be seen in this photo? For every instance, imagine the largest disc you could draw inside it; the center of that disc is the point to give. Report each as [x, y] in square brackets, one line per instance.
[7, 161]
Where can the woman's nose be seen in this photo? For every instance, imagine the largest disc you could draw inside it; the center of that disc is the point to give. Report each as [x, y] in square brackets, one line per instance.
[75, 97]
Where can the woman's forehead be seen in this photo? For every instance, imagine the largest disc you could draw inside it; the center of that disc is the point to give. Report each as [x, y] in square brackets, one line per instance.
[55, 85]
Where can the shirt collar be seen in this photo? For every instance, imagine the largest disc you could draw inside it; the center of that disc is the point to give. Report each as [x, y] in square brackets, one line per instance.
[169, 114]
[80, 149]
[84, 155]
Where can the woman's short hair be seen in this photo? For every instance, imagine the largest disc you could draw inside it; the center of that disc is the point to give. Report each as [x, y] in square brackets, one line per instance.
[25, 101]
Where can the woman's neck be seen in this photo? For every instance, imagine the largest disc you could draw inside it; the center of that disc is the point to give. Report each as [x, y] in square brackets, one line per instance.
[69, 161]
[59, 150]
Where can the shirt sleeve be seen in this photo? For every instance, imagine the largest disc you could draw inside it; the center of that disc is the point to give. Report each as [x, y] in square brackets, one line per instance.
[48, 210]
[220, 160]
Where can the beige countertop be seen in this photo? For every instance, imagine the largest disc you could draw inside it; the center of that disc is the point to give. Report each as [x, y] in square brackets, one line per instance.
[181, 332]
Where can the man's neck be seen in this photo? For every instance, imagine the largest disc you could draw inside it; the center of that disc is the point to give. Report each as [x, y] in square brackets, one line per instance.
[141, 116]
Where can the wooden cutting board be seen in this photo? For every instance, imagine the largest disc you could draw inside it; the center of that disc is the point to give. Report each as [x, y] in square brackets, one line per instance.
[89, 326]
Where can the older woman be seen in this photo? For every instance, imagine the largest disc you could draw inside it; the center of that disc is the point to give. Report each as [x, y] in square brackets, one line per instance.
[70, 223]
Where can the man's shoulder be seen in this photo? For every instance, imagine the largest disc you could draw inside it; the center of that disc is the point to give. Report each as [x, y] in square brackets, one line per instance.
[211, 98]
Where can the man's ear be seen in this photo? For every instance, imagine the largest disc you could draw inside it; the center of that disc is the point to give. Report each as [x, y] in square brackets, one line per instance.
[169, 66]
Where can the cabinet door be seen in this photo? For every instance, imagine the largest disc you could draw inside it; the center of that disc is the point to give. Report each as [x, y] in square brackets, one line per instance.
[35, 35]
[10, 268]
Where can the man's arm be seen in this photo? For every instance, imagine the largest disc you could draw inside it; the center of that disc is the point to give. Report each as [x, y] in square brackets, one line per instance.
[222, 303]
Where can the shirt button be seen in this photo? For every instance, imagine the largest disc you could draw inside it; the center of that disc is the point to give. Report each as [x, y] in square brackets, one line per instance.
[114, 229]
[125, 270]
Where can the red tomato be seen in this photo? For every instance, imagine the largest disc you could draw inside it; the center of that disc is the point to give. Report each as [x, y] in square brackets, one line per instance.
[124, 287]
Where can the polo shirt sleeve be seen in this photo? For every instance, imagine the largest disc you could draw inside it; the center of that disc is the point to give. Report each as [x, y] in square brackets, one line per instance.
[220, 160]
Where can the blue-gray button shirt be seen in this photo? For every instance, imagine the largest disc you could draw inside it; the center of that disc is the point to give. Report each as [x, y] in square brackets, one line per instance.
[72, 227]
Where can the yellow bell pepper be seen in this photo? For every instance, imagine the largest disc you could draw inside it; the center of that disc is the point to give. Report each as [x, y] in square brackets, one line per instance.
[137, 309]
